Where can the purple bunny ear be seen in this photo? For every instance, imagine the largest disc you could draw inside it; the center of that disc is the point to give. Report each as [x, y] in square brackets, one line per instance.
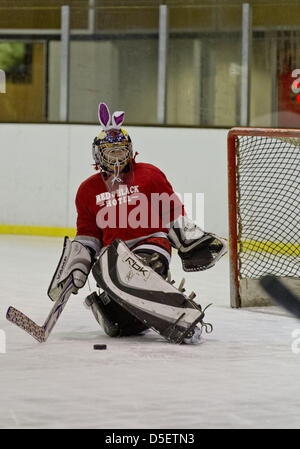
[118, 119]
[104, 115]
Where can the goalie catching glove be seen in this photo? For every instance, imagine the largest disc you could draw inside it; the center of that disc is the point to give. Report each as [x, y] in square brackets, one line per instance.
[75, 263]
[197, 249]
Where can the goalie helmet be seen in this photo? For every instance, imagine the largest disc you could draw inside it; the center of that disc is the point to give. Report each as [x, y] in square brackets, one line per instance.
[112, 148]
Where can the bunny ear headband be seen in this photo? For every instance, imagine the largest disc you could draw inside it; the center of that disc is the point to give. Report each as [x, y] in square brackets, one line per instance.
[104, 118]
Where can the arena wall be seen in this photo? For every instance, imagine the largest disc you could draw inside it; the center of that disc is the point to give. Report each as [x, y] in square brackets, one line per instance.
[42, 166]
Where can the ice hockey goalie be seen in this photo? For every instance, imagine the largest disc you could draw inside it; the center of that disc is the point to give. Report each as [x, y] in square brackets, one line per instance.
[125, 236]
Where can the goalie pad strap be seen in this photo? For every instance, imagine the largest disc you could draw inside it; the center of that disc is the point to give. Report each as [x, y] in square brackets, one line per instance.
[75, 263]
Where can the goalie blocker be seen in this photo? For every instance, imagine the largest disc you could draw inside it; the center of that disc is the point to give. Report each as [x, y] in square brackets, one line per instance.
[144, 294]
[75, 264]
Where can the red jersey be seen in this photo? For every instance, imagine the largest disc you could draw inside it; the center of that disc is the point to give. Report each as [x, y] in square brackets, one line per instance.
[147, 206]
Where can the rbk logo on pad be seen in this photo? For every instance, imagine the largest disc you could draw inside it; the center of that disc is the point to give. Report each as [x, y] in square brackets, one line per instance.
[140, 269]
[136, 266]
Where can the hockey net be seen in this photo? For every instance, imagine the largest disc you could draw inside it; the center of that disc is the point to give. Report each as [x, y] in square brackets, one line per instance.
[264, 212]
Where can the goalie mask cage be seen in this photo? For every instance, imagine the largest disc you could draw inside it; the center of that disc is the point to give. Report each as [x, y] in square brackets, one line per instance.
[264, 212]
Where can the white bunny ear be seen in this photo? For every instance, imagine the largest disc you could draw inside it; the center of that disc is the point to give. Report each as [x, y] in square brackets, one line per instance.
[104, 116]
[118, 119]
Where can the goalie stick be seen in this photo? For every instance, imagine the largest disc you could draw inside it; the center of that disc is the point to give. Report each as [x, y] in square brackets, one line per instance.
[280, 294]
[41, 333]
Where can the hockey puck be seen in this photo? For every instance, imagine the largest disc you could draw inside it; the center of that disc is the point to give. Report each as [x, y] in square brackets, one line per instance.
[99, 346]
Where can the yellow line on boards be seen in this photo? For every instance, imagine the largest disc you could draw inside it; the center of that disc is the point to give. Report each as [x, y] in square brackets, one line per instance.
[285, 249]
[46, 231]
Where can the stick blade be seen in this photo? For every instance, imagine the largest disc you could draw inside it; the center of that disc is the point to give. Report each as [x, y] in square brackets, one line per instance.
[19, 319]
[280, 294]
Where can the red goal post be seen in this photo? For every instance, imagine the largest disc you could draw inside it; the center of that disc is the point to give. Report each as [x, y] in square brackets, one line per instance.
[263, 197]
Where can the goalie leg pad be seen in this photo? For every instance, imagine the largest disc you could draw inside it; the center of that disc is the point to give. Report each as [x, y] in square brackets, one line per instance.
[145, 294]
[75, 263]
[113, 318]
[155, 260]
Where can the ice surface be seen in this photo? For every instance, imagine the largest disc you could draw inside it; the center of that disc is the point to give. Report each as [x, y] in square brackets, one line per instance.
[243, 375]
